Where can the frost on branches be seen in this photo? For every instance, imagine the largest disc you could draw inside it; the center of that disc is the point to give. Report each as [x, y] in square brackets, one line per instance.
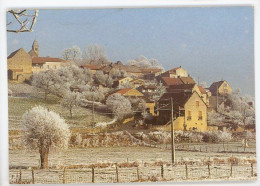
[43, 130]
[120, 106]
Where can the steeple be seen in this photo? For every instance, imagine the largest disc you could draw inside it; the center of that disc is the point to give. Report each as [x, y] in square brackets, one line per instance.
[35, 47]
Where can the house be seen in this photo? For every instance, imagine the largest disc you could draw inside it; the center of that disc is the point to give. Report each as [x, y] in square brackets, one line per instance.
[133, 93]
[137, 82]
[220, 88]
[121, 81]
[175, 73]
[92, 68]
[167, 81]
[151, 73]
[19, 65]
[205, 94]
[190, 111]
[147, 89]
[47, 63]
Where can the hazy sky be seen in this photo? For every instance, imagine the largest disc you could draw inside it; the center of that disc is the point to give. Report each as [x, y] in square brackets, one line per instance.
[212, 43]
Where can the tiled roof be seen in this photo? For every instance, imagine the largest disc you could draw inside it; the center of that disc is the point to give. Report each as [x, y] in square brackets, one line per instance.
[91, 67]
[123, 91]
[171, 81]
[202, 90]
[187, 80]
[150, 70]
[41, 60]
[179, 99]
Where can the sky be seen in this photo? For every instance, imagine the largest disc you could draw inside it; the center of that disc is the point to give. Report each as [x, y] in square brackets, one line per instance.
[211, 43]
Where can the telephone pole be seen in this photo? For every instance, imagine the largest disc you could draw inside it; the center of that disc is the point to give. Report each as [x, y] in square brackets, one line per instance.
[93, 114]
[172, 134]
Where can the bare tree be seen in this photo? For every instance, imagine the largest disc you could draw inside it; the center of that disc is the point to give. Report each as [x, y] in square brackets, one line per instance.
[94, 54]
[71, 53]
[225, 137]
[44, 130]
[23, 20]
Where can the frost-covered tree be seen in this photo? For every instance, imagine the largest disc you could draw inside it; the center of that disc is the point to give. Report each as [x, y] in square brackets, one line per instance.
[71, 100]
[94, 54]
[158, 93]
[143, 62]
[47, 81]
[215, 118]
[119, 105]
[225, 137]
[72, 53]
[44, 130]
[115, 73]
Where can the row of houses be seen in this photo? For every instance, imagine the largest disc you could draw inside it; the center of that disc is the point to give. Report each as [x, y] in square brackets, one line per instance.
[191, 101]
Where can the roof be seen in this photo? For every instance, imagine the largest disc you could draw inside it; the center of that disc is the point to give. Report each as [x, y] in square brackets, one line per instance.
[123, 91]
[182, 86]
[91, 67]
[174, 69]
[171, 81]
[15, 52]
[179, 98]
[216, 84]
[41, 60]
[32, 53]
[202, 90]
[150, 70]
[187, 80]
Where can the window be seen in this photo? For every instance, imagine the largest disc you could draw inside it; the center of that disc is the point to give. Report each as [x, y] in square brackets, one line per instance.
[225, 85]
[197, 103]
[200, 115]
[189, 115]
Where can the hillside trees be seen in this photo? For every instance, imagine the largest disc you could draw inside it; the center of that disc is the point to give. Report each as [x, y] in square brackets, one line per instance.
[44, 130]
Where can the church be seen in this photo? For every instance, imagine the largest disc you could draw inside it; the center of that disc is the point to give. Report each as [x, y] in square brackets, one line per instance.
[21, 65]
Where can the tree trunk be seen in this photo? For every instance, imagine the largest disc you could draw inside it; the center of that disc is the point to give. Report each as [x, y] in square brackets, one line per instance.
[45, 95]
[70, 113]
[44, 152]
[224, 147]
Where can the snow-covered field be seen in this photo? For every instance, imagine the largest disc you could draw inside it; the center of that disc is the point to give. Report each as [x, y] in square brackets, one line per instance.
[145, 157]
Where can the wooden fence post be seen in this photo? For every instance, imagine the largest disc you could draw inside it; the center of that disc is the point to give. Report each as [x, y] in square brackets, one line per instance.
[252, 170]
[162, 171]
[137, 173]
[93, 174]
[209, 169]
[231, 170]
[117, 180]
[64, 176]
[20, 180]
[186, 170]
[32, 176]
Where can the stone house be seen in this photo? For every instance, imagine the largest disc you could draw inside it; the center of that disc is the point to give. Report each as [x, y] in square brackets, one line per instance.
[121, 81]
[19, 65]
[221, 88]
[47, 63]
[190, 111]
[175, 73]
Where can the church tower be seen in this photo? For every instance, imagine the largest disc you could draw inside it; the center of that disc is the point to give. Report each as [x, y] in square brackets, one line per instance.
[34, 52]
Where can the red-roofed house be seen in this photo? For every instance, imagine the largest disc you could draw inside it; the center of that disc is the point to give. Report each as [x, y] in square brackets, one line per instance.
[46, 63]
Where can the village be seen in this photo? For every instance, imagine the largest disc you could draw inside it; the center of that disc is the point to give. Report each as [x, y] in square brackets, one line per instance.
[132, 105]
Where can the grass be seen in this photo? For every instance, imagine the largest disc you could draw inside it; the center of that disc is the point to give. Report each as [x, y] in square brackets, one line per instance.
[82, 117]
